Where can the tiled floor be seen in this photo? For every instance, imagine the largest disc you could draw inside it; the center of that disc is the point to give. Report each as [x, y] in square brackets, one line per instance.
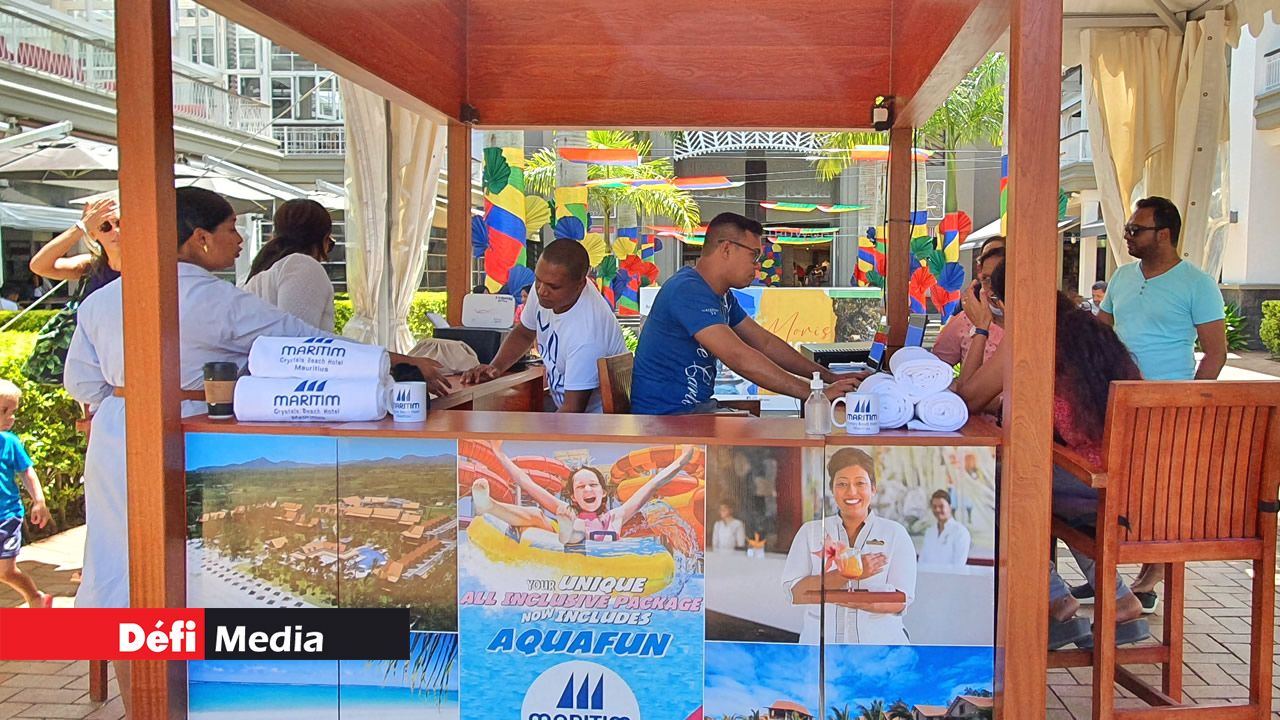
[1216, 667]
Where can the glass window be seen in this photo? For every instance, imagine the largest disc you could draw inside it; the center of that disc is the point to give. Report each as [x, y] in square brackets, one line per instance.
[251, 87]
[303, 101]
[281, 98]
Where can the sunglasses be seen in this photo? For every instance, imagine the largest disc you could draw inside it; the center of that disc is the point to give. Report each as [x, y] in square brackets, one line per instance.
[1134, 230]
[759, 252]
[109, 225]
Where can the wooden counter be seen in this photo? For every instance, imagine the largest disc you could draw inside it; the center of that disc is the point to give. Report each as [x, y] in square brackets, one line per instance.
[520, 390]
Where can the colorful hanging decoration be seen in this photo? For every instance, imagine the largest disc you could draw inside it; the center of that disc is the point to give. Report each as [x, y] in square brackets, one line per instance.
[537, 215]
[1004, 193]
[770, 272]
[871, 257]
[954, 228]
[624, 157]
[809, 207]
[504, 208]
[479, 236]
[711, 182]
[880, 153]
[936, 274]
[519, 278]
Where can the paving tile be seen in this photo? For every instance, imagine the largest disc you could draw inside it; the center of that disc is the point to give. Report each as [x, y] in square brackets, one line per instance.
[111, 710]
[1059, 714]
[80, 682]
[34, 667]
[9, 709]
[8, 692]
[1205, 644]
[37, 681]
[46, 695]
[1212, 674]
[1069, 691]
[57, 710]
[1232, 691]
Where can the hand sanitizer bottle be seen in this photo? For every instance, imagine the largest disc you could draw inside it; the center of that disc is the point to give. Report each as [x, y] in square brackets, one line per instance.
[817, 411]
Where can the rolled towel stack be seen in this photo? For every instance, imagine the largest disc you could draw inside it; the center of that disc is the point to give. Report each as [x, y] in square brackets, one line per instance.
[940, 412]
[316, 358]
[896, 408]
[919, 372]
[264, 399]
[295, 379]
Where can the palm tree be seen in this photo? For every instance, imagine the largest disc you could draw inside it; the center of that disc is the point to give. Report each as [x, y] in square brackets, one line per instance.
[432, 657]
[652, 200]
[874, 711]
[973, 112]
[840, 713]
[899, 711]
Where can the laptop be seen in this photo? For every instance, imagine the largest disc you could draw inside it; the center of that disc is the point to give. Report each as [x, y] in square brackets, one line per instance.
[916, 326]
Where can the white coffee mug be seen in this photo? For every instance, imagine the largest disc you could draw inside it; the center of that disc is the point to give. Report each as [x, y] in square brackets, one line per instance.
[409, 401]
[861, 413]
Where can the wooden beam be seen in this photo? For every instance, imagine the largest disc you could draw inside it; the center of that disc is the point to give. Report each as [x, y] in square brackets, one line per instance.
[898, 264]
[922, 78]
[457, 245]
[1035, 94]
[154, 450]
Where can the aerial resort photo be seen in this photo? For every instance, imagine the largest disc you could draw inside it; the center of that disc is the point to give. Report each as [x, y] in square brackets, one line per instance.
[650, 360]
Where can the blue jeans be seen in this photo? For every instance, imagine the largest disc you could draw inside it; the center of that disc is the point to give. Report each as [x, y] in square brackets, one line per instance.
[1076, 503]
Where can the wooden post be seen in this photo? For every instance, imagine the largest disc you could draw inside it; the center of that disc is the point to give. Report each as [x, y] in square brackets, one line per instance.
[1035, 57]
[898, 264]
[154, 452]
[458, 246]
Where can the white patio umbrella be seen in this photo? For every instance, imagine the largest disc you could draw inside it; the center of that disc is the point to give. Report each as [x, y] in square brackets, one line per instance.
[224, 186]
[67, 158]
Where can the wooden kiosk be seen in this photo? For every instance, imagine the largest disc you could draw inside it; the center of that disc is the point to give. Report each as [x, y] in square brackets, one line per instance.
[817, 65]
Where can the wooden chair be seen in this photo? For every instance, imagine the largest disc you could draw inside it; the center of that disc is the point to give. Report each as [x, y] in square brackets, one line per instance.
[97, 668]
[1192, 470]
[615, 387]
[615, 382]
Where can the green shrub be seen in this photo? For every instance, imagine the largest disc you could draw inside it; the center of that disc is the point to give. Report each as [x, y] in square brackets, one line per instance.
[630, 337]
[419, 325]
[46, 422]
[31, 322]
[1269, 333]
[1237, 328]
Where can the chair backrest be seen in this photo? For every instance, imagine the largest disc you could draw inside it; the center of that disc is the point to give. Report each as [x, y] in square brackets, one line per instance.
[1192, 460]
[615, 382]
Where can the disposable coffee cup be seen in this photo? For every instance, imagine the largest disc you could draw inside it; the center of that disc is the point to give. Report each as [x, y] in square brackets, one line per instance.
[861, 414]
[220, 388]
[409, 401]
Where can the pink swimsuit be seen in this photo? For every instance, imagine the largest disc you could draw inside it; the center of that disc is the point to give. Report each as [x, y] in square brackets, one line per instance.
[601, 527]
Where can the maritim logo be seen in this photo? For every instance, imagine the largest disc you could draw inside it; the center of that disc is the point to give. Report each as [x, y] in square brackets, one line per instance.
[579, 690]
[404, 402]
[314, 347]
[309, 394]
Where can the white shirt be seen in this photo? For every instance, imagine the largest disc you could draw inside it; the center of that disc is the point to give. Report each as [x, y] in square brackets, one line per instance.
[7, 304]
[216, 321]
[728, 535]
[950, 547]
[572, 341]
[846, 625]
[298, 285]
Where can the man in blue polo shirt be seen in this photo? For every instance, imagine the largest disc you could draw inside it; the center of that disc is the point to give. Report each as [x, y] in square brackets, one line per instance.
[1159, 307]
[695, 320]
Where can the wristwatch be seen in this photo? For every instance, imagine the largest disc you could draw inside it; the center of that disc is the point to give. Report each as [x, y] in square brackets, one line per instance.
[980, 331]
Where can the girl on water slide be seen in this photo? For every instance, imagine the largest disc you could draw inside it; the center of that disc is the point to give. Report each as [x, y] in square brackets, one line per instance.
[583, 512]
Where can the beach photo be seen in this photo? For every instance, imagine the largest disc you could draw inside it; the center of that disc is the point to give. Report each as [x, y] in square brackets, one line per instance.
[908, 682]
[761, 680]
[424, 687]
[581, 563]
[261, 529]
[396, 510]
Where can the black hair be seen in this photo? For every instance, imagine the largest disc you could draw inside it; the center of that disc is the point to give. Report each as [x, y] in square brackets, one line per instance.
[299, 226]
[997, 253]
[851, 457]
[1100, 285]
[9, 288]
[982, 251]
[1166, 215]
[568, 254]
[997, 281]
[200, 209]
[727, 223]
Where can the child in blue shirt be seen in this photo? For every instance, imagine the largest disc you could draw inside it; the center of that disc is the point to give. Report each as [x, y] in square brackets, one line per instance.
[15, 462]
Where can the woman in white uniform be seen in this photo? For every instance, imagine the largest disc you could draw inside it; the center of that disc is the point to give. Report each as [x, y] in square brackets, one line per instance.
[947, 542]
[287, 272]
[886, 561]
[216, 322]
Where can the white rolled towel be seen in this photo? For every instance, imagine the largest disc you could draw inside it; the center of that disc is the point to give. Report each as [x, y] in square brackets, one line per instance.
[316, 357]
[940, 412]
[260, 399]
[919, 372]
[896, 409]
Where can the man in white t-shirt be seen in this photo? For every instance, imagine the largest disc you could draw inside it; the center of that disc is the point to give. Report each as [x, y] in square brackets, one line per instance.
[572, 324]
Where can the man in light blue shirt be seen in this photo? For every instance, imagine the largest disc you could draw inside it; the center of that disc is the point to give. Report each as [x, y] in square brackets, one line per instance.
[1161, 305]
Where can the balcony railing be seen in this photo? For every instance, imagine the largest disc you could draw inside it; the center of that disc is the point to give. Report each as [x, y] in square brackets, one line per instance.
[91, 65]
[1075, 148]
[1273, 72]
[325, 140]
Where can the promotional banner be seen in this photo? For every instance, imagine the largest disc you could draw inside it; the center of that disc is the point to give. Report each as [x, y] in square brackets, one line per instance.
[580, 580]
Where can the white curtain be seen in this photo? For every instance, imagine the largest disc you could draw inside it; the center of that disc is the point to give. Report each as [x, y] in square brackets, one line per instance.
[382, 287]
[1157, 104]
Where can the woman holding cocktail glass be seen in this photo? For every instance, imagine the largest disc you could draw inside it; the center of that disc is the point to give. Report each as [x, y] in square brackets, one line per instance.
[852, 552]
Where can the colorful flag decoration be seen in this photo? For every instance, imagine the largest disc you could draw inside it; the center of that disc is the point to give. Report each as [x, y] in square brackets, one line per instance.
[627, 157]
[770, 272]
[809, 207]
[713, 182]
[504, 208]
[871, 257]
